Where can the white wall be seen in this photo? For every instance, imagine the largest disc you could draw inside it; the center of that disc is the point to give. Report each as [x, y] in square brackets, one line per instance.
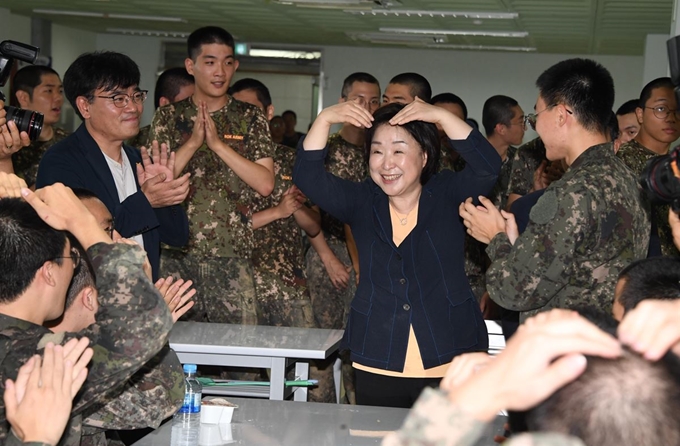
[289, 92]
[14, 27]
[656, 58]
[474, 76]
[146, 51]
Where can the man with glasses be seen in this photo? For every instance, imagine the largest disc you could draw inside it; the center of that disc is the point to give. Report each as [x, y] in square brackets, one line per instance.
[658, 117]
[588, 225]
[144, 201]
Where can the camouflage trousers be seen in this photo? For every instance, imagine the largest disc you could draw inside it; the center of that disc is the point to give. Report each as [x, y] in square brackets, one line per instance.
[331, 306]
[287, 306]
[225, 288]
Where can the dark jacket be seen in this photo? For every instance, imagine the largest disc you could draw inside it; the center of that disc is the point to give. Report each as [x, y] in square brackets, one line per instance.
[78, 162]
[422, 282]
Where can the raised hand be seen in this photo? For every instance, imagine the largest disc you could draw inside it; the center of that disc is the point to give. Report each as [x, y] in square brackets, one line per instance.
[161, 161]
[177, 294]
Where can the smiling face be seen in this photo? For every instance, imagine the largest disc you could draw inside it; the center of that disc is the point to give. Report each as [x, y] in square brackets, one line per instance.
[47, 98]
[212, 69]
[106, 121]
[396, 161]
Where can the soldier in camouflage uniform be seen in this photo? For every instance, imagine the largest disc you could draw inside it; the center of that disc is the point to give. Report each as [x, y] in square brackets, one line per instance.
[278, 257]
[173, 85]
[133, 321]
[38, 88]
[586, 227]
[527, 159]
[226, 146]
[659, 127]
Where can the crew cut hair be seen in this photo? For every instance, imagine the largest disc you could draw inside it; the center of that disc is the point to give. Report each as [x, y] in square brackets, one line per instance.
[105, 70]
[26, 243]
[583, 85]
[29, 77]
[357, 77]
[169, 84]
[425, 134]
[418, 85]
[206, 36]
[659, 82]
[260, 89]
[450, 98]
[497, 110]
[652, 278]
[628, 107]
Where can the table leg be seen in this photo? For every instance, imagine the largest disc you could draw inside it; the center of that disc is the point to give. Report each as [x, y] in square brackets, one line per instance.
[301, 373]
[277, 379]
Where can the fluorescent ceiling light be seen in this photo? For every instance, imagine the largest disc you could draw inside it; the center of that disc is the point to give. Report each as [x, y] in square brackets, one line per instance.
[356, 5]
[483, 47]
[284, 54]
[397, 38]
[149, 18]
[452, 32]
[424, 13]
[148, 32]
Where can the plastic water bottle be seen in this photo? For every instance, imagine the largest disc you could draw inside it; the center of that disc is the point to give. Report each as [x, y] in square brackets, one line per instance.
[186, 424]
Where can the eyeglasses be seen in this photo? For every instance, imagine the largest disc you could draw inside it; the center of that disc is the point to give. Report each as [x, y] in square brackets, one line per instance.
[75, 257]
[121, 100]
[662, 112]
[531, 117]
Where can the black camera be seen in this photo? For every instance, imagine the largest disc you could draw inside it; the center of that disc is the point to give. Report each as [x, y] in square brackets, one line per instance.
[27, 121]
[661, 176]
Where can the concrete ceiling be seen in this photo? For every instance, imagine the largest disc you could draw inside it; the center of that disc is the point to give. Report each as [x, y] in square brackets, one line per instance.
[553, 26]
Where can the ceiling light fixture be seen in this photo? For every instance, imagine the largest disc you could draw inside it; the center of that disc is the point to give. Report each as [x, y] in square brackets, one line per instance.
[483, 47]
[452, 32]
[425, 13]
[148, 32]
[149, 18]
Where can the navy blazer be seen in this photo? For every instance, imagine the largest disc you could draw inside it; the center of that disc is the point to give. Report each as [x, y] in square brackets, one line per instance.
[421, 282]
[78, 162]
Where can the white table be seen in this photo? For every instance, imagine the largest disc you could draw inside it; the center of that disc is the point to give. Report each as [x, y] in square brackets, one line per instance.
[274, 348]
[284, 423]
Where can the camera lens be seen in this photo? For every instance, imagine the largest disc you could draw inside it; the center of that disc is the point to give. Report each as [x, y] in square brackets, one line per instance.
[27, 121]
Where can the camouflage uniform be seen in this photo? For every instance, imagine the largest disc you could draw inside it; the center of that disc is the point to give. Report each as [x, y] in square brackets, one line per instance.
[26, 160]
[435, 421]
[476, 260]
[133, 323]
[525, 162]
[331, 306]
[219, 208]
[279, 262]
[153, 394]
[142, 138]
[278, 257]
[587, 226]
[635, 156]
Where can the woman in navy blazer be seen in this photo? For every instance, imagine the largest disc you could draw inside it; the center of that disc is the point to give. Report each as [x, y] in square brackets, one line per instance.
[418, 286]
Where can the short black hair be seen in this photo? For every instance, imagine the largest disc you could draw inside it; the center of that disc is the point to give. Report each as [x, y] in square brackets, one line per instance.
[628, 107]
[583, 85]
[497, 110]
[613, 127]
[169, 83]
[83, 276]
[357, 77]
[26, 243]
[260, 89]
[29, 77]
[206, 36]
[106, 70]
[652, 278]
[626, 400]
[659, 82]
[425, 134]
[83, 194]
[417, 83]
[289, 112]
[450, 98]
